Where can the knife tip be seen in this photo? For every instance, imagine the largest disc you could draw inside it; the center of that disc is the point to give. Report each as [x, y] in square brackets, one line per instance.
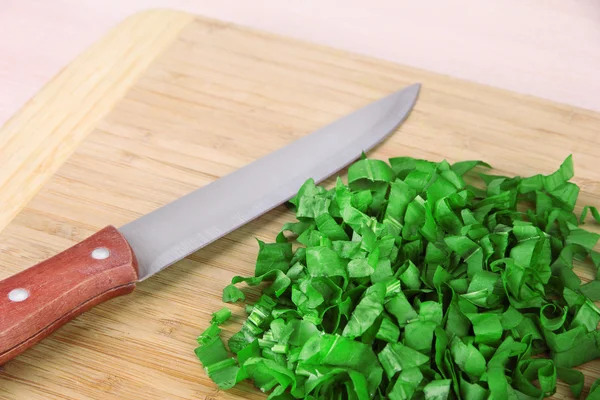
[409, 94]
[416, 87]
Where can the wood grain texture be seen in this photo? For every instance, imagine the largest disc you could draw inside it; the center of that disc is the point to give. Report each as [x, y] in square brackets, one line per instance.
[219, 97]
[72, 104]
[63, 287]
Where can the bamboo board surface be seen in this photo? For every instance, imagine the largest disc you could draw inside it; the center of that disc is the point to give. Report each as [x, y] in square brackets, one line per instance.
[168, 102]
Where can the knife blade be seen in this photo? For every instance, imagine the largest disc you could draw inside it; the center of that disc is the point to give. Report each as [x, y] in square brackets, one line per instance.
[38, 300]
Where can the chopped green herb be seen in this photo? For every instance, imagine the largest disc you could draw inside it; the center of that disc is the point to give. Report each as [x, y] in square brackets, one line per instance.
[231, 294]
[221, 316]
[593, 210]
[415, 281]
[595, 391]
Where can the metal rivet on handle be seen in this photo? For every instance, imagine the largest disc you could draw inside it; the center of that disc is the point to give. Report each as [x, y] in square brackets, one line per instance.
[18, 295]
[100, 253]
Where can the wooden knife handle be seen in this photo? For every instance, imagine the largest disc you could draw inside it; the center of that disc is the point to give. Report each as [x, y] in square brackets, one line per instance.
[39, 300]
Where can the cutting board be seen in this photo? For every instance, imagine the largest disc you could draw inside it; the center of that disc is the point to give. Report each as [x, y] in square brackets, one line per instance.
[168, 102]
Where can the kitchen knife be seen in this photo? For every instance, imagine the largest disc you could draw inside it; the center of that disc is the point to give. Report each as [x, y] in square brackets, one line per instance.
[38, 300]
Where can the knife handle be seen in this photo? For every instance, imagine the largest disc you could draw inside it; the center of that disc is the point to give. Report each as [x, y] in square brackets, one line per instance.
[39, 300]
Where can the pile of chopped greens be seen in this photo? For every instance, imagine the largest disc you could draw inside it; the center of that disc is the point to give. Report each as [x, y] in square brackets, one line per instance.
[411, 283]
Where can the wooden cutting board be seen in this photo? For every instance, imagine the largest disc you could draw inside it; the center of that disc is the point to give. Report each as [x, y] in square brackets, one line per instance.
[168, 102]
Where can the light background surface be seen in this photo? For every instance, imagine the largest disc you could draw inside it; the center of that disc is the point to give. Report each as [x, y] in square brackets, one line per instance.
[545, 48]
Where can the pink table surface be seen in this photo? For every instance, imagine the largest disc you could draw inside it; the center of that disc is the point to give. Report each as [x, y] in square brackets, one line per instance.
[546, 48]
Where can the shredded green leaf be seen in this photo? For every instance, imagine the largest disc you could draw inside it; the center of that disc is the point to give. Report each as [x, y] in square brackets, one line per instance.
[231, 294]
[416, 280]
[595, 391]
[221, 316]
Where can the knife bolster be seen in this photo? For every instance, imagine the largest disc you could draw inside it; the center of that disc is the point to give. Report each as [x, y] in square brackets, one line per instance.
[39, 300]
